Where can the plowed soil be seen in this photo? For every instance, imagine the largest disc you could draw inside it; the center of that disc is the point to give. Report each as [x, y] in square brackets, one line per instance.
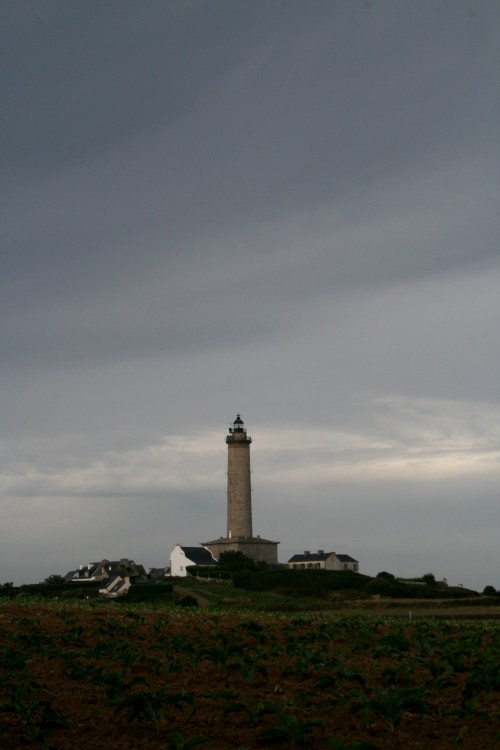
[125, 678]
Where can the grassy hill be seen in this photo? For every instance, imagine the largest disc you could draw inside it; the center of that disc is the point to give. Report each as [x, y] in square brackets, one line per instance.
[282, 590]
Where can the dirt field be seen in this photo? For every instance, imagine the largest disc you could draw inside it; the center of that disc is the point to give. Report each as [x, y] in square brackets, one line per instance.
[123, 677]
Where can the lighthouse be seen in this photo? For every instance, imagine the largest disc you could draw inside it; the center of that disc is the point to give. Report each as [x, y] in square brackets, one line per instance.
[239, 490]
[239, 531]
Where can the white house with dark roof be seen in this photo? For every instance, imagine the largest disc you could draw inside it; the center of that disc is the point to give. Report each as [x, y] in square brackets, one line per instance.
[322, 560]
[182, 557]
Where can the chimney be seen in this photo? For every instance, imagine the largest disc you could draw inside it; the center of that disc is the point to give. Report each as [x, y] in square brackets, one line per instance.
[307, 553]
[321, 552]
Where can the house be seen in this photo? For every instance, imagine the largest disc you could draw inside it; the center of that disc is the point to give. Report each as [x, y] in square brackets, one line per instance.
[182, 557]
[158, 574]
[322, 560]
[88, 572]
[115, 586]
[99, 571]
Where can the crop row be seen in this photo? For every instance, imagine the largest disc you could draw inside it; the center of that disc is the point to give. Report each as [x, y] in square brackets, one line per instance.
[178, 679]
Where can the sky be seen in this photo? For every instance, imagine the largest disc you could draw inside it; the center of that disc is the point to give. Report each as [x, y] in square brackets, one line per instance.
[286, 209]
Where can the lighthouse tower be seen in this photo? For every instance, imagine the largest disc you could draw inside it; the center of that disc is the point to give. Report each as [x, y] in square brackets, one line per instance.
[239, 491]
[239, 535]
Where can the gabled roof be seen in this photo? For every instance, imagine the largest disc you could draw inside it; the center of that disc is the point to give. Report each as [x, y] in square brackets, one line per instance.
[320, 557]
[84, 572]
[346, 558]
[115, 586]
[310, 557]
[105, 569]
[198, 555]
[123, 567]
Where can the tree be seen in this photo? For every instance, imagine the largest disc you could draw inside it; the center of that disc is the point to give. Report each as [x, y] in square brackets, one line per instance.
[54, 579]
[489, 591]
[386, 575]
[7, 589]
[430, 579]
[235, 560]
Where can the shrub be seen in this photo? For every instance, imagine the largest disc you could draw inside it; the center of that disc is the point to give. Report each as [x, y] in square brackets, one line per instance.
[489, 591]
[145, 592]
[318, 583]
[235, 560]
[209, 571]
[386, 575]
[188, 601]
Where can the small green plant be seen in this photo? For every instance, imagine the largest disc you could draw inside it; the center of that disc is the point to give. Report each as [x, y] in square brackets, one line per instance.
[116, 683]
[289, 728]
[340, 745]
[255, 711]
[392, 643]
[153, 705]
[224, 695]
[29, 704]
[460, 738]
[249, 672]
[398, 675]
[11, 659]
[176, 741]
[341, 673]
[390, 705]
[485, 675]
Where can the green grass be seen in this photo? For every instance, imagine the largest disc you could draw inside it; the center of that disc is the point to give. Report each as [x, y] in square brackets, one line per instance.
[226, 595]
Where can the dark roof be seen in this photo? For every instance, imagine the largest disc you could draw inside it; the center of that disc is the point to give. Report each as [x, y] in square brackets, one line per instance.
[198, 555]
[114, 585]
[311, 556]
[320, 557]
[158, 572]
[346, 558]
[84, 572]
[123, 567]
[106, 568]
[117, 583]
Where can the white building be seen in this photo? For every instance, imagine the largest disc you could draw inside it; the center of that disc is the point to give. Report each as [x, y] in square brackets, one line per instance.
[182, 557]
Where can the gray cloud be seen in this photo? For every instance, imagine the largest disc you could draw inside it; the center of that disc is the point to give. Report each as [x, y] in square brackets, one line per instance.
[280, 208]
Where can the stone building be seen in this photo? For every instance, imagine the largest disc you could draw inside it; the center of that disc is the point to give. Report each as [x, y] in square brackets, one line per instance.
[322, 560]
[239, 532]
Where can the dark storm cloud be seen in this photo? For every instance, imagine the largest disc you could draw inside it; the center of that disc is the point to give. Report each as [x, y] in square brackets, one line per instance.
[260, 112]
[96, 73]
